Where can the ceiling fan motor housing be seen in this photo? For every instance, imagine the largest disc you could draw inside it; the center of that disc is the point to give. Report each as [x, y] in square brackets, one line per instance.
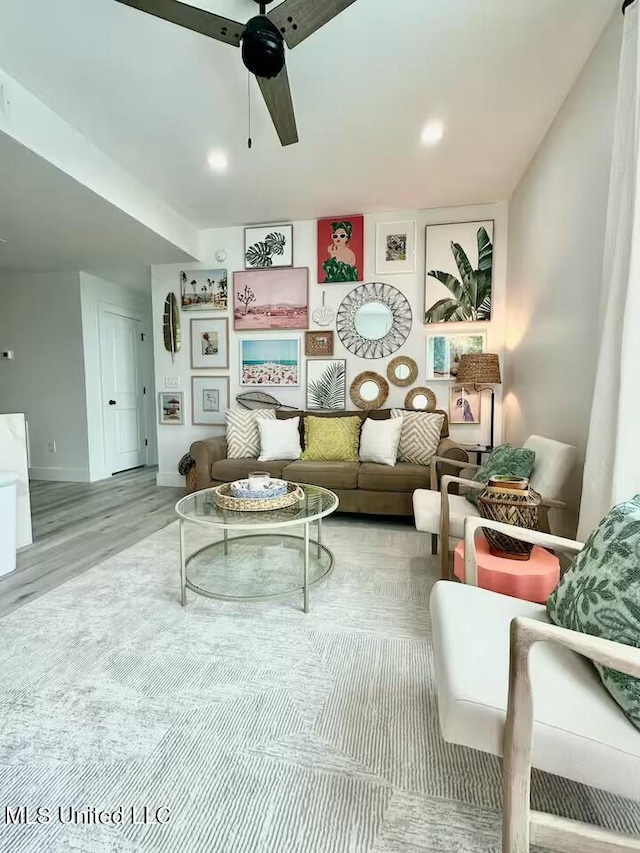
[263, 47]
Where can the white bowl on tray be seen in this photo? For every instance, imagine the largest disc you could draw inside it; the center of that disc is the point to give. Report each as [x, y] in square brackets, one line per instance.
[273, 488]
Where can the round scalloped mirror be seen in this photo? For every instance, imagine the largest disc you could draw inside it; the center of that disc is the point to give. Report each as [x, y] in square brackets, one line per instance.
[369, 390]
[420, 400]
[402, 371]
[374, 320]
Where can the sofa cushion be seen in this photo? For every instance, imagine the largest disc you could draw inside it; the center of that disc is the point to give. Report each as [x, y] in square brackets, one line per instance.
[420, 435]
[331, 475]
[228, 470]
[600, 595]
[402, 477]
[243, 435]
[331, 439]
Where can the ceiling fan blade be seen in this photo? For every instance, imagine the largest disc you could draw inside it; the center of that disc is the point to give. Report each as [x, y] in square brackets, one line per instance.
[277, 95]
[298, 19]
[198, 20]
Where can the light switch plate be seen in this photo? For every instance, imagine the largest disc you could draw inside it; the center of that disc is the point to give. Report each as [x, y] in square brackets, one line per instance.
[171, 381]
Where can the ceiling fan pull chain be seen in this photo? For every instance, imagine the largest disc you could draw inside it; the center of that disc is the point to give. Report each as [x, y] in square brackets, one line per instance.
[249, 140]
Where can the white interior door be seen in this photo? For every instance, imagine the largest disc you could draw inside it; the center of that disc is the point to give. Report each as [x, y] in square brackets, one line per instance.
[122, 392]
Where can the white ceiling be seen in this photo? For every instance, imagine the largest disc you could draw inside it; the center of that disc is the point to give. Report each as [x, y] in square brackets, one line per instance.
[50, 221]
[157, 98]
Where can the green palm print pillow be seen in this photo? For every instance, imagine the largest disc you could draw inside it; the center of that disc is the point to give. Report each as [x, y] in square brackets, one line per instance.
[600, 595]
[503, 460]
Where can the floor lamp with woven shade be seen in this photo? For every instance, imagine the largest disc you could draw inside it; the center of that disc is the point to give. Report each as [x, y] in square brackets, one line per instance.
[482, 370]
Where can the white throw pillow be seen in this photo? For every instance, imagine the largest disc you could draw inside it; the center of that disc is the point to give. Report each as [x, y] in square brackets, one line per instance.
[379, 441]
[279, 439]
[243, 437]
[420, 435]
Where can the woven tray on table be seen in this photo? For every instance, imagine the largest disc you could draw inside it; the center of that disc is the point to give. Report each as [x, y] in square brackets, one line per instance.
[225, 500]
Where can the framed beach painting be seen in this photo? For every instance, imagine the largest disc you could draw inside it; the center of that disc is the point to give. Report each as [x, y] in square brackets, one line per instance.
[464, 405]
[269, 361]
[459, 272]
[268, 246]
[171, 408]
[395, 247]
[271, 299]
[340, 249]
[209, 343]
[203, 289]
[209, 399]
[444, 351]
[327, 384]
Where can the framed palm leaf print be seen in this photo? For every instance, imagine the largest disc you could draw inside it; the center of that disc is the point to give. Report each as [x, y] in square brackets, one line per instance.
[267, 246]
[459, 272]
[327, 384]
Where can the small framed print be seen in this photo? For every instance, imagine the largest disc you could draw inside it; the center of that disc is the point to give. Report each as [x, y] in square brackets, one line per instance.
[327, 384]
[209, 399]
[171, 408]
[267, 246]
[444, 352]
[464, 405]
[209, 343]
[395, 247]
[204, 290]
[269, 361]
[318, 343]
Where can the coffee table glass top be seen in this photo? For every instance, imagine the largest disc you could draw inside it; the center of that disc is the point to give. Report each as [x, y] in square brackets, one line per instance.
[200, 507]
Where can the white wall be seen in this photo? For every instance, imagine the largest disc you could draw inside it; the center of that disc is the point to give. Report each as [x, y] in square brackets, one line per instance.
[40, 321]
[556, 240]
[174, 441]
[98, 295]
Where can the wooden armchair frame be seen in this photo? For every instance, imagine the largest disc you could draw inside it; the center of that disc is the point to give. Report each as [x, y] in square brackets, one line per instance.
[445, 482]
[520, 825]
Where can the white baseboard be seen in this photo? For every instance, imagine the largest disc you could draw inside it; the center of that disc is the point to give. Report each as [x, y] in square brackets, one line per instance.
[62, 475]
[166, 478]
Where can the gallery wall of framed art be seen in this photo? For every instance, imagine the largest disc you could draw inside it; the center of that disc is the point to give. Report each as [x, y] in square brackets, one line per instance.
[392, 253]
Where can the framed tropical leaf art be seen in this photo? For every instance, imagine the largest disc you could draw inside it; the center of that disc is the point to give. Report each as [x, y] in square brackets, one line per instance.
[459, 272]
[327, 384]
[268, 246]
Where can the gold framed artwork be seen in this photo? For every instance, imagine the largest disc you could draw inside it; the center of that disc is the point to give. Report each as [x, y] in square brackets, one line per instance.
[318, 343]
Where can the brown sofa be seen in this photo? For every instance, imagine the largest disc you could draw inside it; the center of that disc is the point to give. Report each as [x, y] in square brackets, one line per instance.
[360, 486]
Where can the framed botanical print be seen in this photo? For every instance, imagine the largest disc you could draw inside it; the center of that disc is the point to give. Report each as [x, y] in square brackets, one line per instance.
[268, 246]
[444, 352]
[269, 361]
[464, 405]
[203, 290]
[209, 343]
[395, 247]
[271, 299]
[341, 249]
[318, 343]
[459, 272]
[209, 399]
[327, 384]
[171, 408]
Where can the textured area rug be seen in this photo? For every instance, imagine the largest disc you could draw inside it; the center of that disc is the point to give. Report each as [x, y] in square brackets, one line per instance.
[259, 727]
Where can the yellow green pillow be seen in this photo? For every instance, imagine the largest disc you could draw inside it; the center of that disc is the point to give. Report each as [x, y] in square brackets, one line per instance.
[331, 439]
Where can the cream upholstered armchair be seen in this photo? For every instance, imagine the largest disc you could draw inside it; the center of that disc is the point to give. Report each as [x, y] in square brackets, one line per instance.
[544, 707]
[443, 514]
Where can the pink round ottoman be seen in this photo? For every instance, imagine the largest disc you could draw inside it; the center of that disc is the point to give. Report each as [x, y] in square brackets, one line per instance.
[532, 580]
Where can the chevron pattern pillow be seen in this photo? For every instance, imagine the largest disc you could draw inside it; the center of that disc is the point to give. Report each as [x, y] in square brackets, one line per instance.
[243, 435]
[420, 436]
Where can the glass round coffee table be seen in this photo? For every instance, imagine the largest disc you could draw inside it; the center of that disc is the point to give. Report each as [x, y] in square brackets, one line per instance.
[263, 561]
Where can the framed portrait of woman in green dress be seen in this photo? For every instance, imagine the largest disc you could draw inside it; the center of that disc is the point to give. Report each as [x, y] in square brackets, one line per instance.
[341, 249]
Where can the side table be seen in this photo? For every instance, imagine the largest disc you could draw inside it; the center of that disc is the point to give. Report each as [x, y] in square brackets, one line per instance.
[532, 580]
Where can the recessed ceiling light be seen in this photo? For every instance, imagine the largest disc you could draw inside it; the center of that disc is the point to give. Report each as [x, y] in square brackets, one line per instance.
[218, 161]
[432, 133]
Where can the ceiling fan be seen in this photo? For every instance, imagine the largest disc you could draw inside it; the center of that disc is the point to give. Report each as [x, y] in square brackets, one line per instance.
[262, 38]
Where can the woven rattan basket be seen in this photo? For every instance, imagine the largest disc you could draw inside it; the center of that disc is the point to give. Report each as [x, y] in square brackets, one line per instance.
[191, 479]
[519, 507]
[225, 500]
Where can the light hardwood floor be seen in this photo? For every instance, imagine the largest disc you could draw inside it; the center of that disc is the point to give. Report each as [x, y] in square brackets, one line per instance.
[78, 525]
